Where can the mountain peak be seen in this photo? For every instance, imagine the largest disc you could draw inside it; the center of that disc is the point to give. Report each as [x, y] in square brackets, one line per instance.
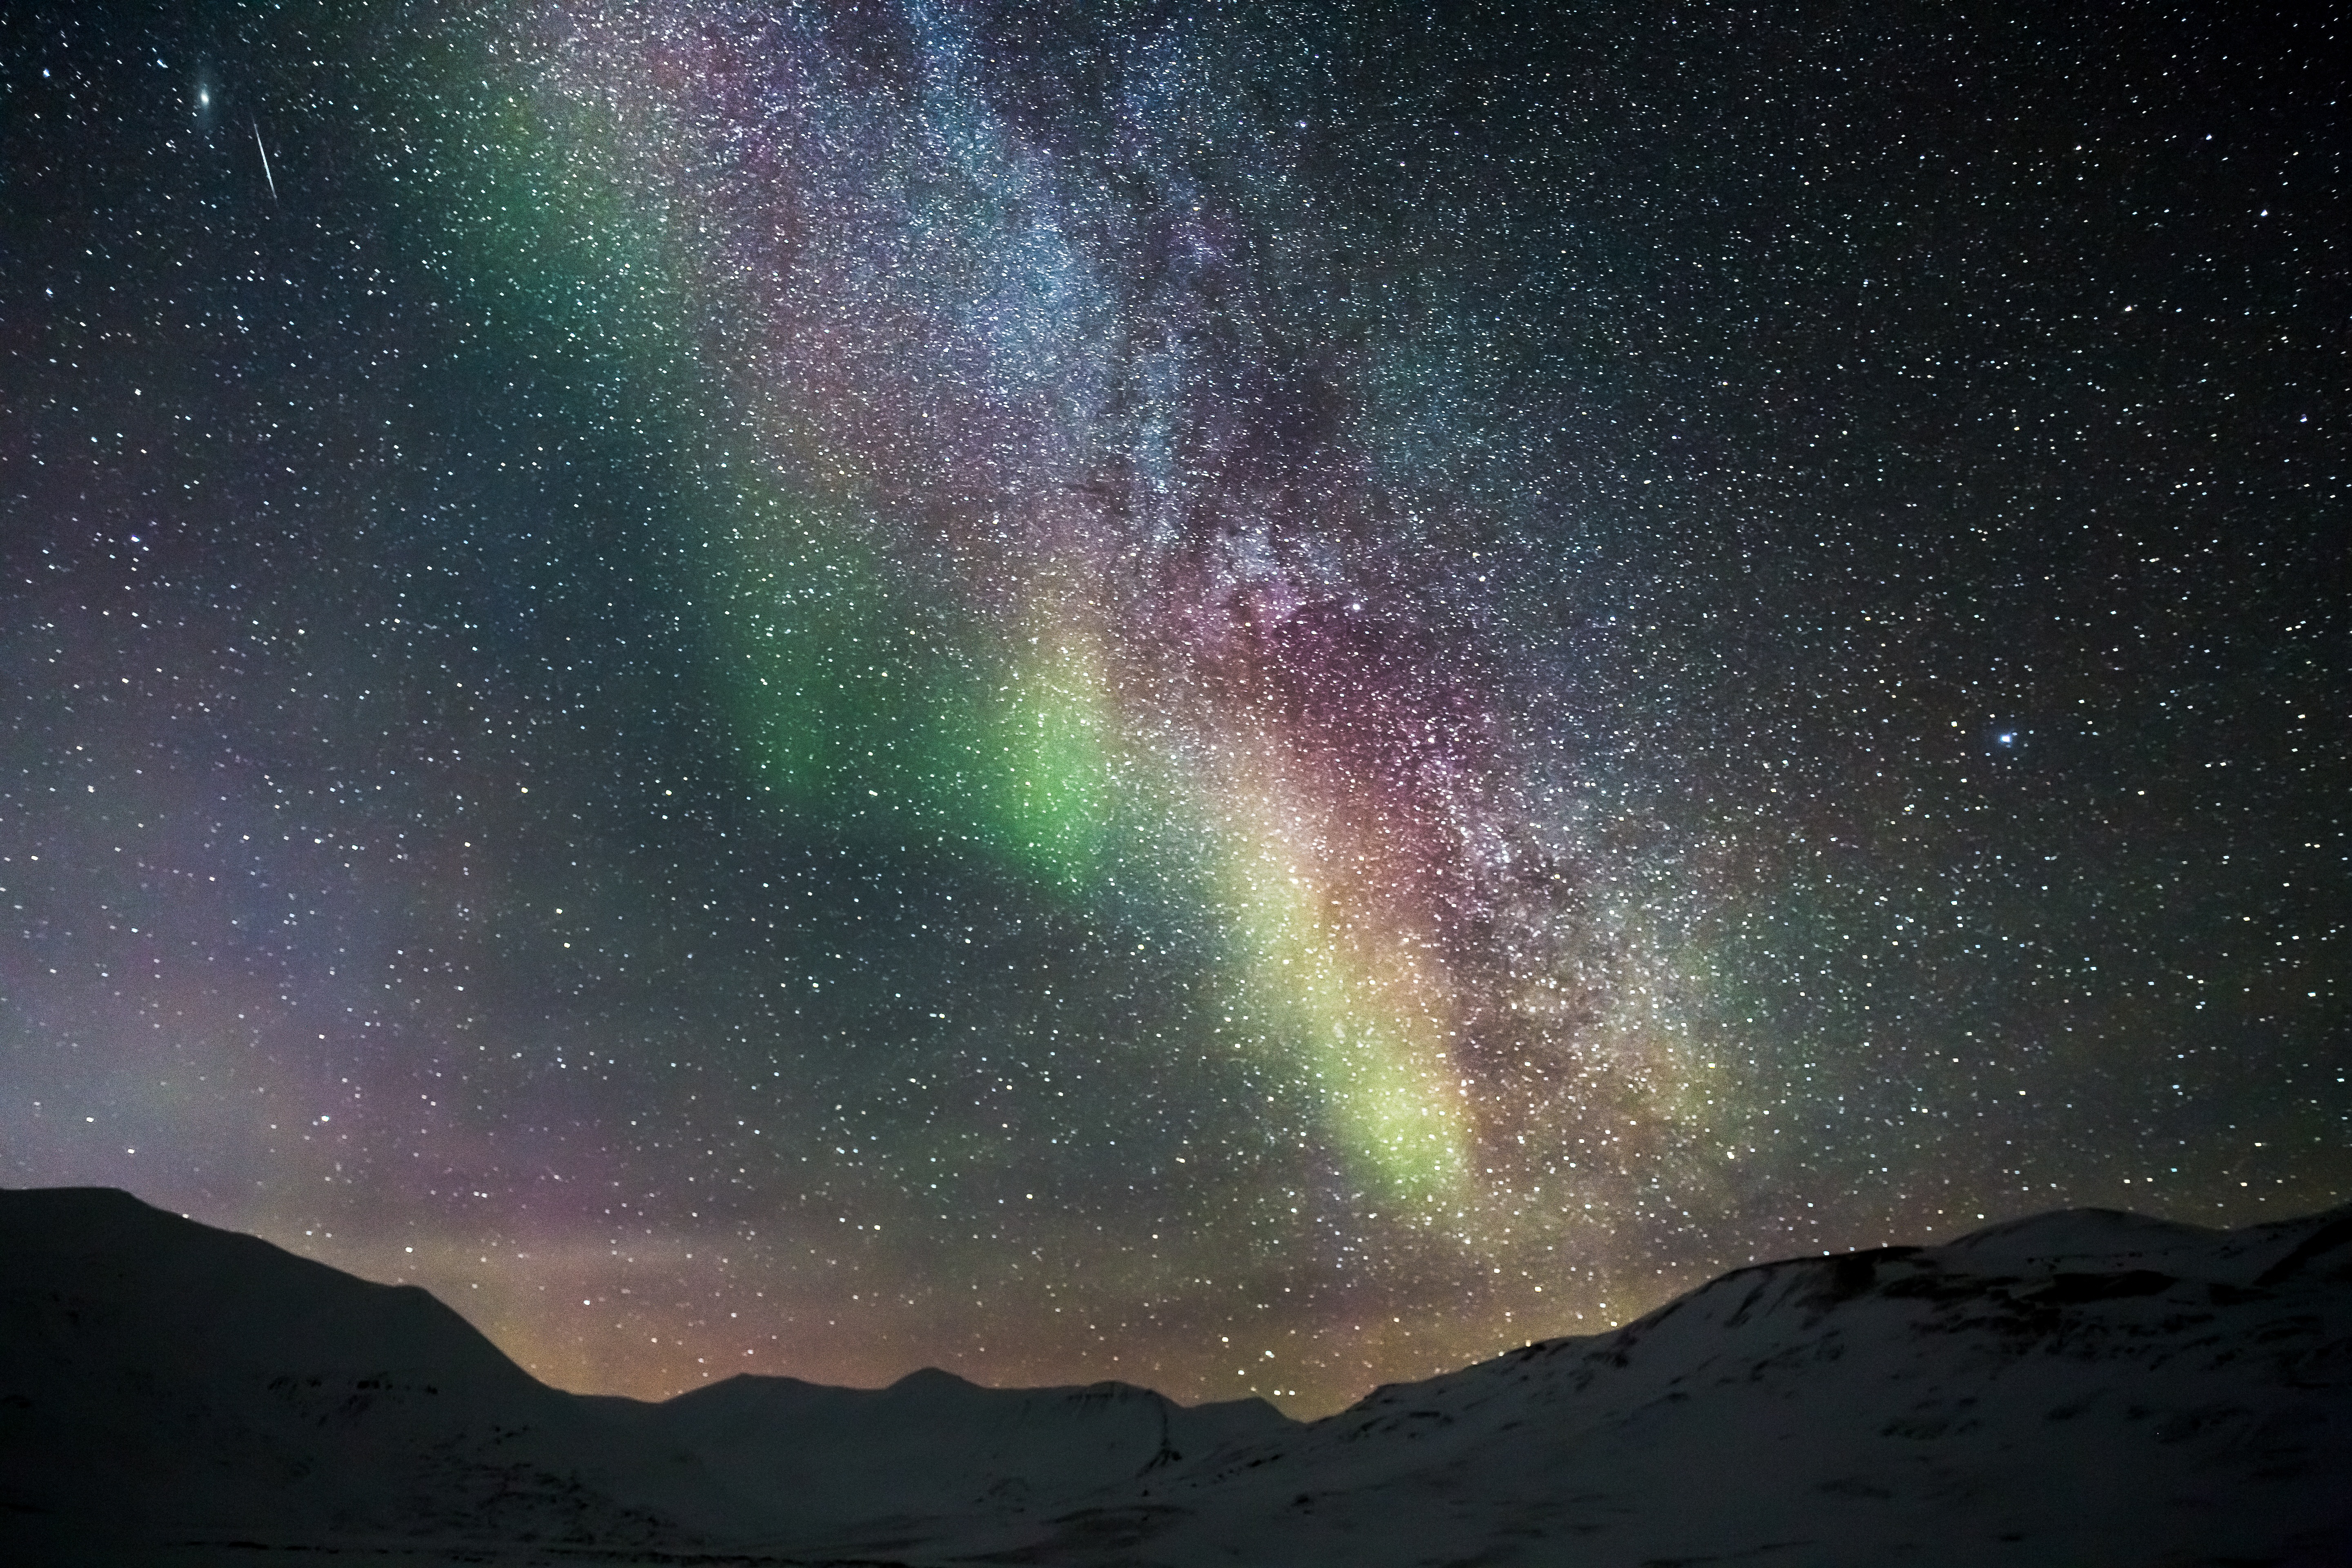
[2081, 1385]
[931, 1380]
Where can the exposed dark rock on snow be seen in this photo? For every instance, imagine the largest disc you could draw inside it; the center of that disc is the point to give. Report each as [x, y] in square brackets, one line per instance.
[2086, 1387]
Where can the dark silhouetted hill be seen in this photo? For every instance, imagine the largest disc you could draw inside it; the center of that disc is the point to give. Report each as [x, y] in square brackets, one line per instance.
[2078, 1388]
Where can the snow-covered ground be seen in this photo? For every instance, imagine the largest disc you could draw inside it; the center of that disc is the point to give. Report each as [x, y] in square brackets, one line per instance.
[2079, 1388]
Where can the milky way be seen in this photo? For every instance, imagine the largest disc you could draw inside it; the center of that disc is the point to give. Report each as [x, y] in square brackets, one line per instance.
[1258, 699]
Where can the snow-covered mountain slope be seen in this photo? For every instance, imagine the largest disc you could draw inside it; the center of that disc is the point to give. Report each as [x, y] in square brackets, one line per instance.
[157, 1374]
[799, 1457]
[2080, 1388]
[2084, 1387]
[160, 1378]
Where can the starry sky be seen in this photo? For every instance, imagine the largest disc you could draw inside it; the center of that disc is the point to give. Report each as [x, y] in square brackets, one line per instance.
[1255, 697]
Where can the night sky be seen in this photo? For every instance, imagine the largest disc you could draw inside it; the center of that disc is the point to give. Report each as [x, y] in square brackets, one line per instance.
[1255, 697]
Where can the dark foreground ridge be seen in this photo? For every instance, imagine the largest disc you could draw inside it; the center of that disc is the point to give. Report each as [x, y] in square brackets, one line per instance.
[2086, 1387]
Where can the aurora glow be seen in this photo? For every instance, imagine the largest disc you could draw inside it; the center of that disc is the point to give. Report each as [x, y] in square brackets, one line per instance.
[1253, 699]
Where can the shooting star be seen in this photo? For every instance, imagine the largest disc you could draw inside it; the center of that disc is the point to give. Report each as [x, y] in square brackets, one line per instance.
[265, 161]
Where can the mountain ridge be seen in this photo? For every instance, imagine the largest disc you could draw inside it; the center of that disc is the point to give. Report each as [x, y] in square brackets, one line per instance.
[2078, 1386]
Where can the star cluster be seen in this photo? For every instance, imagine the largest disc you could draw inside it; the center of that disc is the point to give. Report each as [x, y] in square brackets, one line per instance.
[1256, 699]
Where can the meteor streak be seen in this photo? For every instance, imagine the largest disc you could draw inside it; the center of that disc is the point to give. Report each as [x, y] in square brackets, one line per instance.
[265, 161]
